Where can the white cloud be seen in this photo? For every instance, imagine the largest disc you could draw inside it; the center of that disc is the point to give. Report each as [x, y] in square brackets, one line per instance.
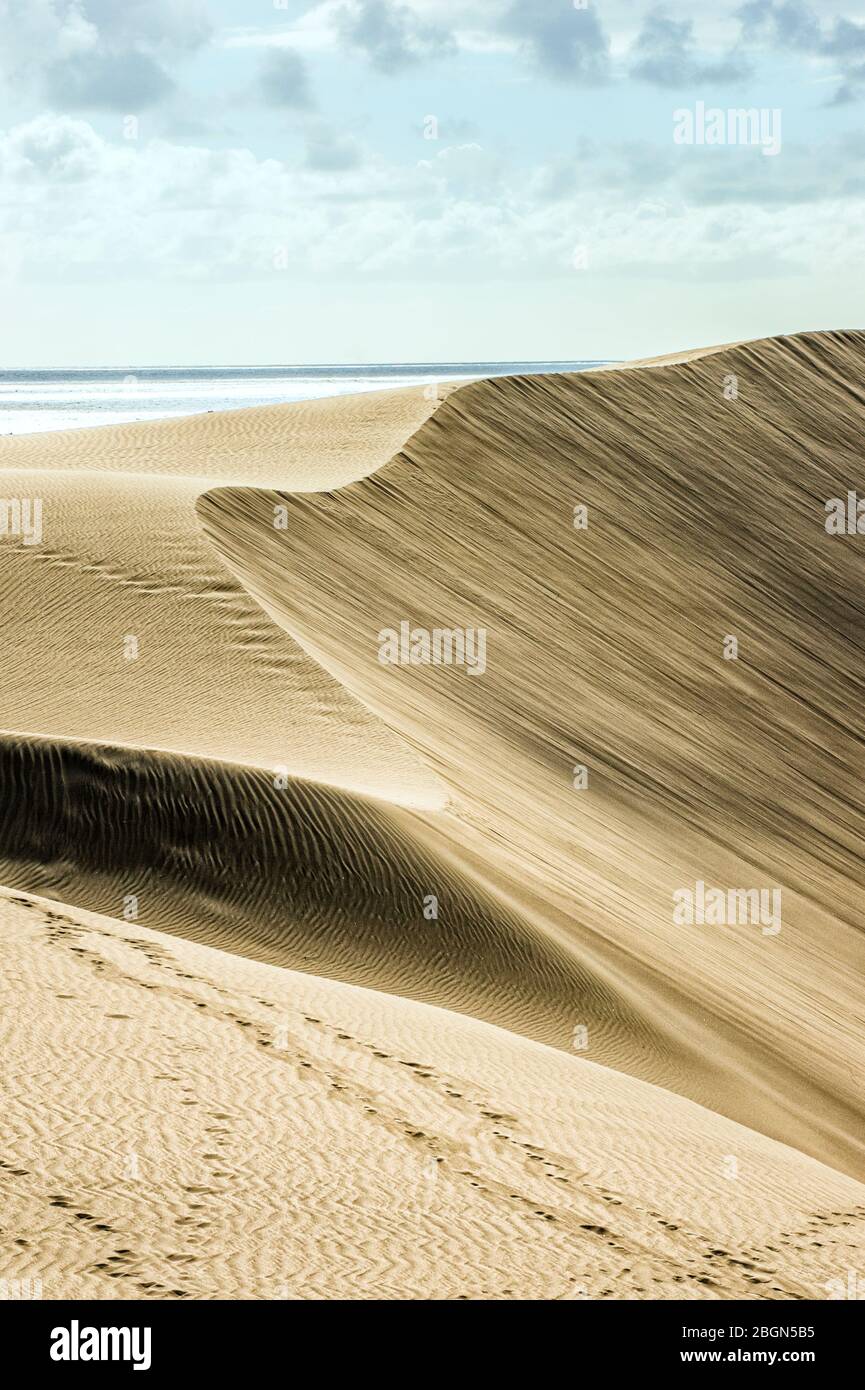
[565, 43]
[53, 149]
[796, 26]
[81, 54]
[160, 211]
[328, 151]
[391, 35]
[283, 80]
[665, 53]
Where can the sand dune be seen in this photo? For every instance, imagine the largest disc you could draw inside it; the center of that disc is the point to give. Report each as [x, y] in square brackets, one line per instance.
[122, 557]
[241, 1131]
[123, 562]
[298, 874]
[253, 781]
[605, 649]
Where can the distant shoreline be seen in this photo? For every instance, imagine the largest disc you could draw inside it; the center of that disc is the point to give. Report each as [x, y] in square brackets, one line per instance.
[35, 400]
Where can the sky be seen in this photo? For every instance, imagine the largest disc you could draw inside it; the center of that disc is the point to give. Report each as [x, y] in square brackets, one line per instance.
[278, 181]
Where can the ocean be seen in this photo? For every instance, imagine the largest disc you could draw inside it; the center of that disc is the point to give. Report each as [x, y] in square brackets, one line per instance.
[61, 399]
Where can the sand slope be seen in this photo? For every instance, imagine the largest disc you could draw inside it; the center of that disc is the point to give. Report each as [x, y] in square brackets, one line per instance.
[122, 560]
[122, 557]
[605, 648]
[296, 874]
[236, 1130]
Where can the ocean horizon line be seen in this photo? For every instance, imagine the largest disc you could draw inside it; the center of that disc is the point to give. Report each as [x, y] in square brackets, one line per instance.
[359, 367]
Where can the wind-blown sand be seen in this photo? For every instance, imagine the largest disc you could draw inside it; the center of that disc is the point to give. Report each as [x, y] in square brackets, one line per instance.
[277, 807]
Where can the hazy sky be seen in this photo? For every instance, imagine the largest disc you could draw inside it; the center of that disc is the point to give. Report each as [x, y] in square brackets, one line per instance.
[366, 180]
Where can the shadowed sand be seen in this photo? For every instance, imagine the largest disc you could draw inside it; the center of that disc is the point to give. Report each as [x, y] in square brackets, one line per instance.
[256, 783]
[300, 875]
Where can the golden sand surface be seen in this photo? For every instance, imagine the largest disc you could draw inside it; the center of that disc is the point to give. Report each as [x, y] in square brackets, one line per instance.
[289, 930]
